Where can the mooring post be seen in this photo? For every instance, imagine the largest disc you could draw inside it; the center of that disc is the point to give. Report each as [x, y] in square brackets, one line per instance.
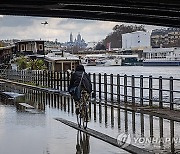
[125, 88]
[150, 90]
[160, 92]
[133, 89]
[141, 90]
[171, 93]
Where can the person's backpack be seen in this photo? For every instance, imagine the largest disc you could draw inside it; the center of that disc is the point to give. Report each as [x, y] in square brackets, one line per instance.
[76, 91]
[87, 84]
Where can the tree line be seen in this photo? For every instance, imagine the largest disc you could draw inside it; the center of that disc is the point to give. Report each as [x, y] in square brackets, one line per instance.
[115, 37]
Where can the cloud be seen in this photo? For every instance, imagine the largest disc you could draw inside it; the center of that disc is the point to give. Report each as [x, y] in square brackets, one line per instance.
[22, 27]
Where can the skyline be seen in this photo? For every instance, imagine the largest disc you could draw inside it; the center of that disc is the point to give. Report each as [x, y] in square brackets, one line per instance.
[26, 27]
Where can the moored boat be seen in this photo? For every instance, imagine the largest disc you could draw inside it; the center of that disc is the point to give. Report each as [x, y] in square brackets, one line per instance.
[162, 57]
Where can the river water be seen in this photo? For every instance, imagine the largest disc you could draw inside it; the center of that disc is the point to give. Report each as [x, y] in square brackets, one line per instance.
[163, 71]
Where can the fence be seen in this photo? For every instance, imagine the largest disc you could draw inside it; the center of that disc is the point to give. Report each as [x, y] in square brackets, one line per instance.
[141, 90]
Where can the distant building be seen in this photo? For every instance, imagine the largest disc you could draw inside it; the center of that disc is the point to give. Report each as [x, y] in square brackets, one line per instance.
[91, 45]
[30, 47]
[6, 54]
[136, 40]
[78, 42]
[169, 37]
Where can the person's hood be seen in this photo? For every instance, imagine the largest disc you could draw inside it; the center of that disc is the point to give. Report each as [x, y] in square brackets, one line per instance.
[80, 68]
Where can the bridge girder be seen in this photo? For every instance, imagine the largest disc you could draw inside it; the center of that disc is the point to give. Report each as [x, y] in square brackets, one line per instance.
[154, 12]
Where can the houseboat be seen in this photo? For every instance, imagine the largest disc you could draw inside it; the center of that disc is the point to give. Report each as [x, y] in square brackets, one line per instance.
[30, 47]
[60, 61]
[162, 57]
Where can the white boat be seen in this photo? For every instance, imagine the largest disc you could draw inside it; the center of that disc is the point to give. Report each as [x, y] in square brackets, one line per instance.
[162, 57]
[102, 60]
[93, 59]
[110, 61]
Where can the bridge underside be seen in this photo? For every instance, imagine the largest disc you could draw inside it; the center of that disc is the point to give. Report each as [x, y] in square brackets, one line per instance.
[154, 12]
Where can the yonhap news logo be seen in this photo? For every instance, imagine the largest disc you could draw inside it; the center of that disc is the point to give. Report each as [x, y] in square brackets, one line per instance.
[124, 140]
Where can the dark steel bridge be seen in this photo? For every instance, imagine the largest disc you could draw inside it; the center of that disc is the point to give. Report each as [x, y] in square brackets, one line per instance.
[154, 12]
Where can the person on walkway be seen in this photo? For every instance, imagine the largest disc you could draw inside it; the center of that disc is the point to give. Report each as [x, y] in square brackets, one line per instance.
[80, 76]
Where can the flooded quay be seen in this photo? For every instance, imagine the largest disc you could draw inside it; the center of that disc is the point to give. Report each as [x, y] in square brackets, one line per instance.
[28, 132]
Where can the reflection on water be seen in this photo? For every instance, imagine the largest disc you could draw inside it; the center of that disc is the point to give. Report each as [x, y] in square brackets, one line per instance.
[82, 146]
[106, 119]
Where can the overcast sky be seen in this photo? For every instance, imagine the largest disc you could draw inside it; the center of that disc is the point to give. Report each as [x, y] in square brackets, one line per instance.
[20, 27]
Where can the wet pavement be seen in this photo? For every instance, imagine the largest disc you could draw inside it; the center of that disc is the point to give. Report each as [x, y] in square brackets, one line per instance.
[26, 133]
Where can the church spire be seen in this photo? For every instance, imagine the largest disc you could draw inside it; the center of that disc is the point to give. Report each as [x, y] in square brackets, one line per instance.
[71, 37]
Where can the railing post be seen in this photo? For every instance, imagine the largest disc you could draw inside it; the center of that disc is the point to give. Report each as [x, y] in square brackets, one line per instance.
[36, 78]
[118, 89]
[133, 89]
[171, 93]
[100, 86]
[61, 80]
[68, 79]
[52, 79]
[111, 87]
[94, 84]
[54, 74]
[141, 90]
[125, 88]
[58, 80]
[105, 87]
[48, 79]
[150, 91]
[65, 81]
[160, 92]
[41, 76]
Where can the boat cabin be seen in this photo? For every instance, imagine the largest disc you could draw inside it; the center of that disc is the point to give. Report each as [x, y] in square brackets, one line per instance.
[61, 62]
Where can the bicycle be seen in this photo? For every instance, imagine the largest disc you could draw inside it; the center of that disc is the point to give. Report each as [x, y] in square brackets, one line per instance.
[82, 116]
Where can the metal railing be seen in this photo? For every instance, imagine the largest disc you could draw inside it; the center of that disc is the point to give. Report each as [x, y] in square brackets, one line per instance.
[136, 90]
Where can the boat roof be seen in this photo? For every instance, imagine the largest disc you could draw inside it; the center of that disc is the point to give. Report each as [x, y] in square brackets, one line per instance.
[67, 56]
[157, 50]
[95, 55]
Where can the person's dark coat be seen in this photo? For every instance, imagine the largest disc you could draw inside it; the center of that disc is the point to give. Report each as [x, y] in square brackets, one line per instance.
[76, 78]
